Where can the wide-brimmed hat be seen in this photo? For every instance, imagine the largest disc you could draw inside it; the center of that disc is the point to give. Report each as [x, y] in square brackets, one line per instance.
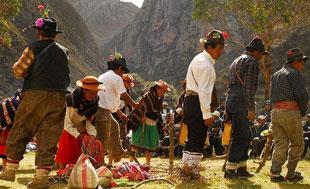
[48, 26]
[162, 85]
[128, 79]
[90, 83]
[257, 44]
[295, 54]
[215, 36]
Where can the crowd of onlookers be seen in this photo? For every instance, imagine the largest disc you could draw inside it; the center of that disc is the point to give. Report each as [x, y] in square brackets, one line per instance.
[216, 143]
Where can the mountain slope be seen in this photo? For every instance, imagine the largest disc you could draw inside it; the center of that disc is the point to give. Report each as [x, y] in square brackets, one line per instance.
[83, 52]
[105, 18]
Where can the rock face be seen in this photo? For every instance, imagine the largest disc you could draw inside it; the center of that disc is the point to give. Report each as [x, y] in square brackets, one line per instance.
[163, 38]
[83, 52]
[105, 18]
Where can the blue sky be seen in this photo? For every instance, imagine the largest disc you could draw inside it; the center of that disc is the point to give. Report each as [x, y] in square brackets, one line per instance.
[136, 2]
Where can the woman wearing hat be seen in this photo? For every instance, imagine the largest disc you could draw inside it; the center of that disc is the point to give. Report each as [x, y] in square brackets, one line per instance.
[143, 121]
[82, 106]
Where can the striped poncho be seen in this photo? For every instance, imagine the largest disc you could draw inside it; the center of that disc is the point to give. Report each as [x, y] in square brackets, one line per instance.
[150, 104]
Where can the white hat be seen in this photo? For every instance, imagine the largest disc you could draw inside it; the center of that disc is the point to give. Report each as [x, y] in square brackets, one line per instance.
[216, 114]
[262, 117]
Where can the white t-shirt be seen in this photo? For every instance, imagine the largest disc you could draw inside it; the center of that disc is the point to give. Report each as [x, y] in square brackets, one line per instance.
[110, 97]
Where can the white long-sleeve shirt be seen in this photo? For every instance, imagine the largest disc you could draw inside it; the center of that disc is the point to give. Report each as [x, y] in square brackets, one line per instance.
[74, 123]
[200, 78]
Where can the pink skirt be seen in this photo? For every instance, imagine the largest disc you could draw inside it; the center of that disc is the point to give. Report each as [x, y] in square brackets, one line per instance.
[69, 149]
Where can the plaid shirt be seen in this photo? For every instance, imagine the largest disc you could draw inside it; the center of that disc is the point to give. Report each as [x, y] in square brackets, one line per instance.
[247, 68]
[288, 84]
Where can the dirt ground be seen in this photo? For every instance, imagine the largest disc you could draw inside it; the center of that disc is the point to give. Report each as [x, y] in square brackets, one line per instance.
[213, 176]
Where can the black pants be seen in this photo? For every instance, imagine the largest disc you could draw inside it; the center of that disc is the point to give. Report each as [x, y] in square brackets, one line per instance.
[197, 131]
[241, 134]
[307, 145]
[216, 143]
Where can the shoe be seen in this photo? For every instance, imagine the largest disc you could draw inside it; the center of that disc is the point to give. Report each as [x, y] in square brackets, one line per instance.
[296, 178]
[278, 179]
[8, 175]
[40, 180]
[243, 173]
[230, 174]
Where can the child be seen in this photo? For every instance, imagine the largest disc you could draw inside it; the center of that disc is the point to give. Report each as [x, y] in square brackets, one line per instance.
[143, 121]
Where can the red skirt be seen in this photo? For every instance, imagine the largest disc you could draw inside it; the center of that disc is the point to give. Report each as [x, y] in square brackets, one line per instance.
[69, 149]
[4, 135]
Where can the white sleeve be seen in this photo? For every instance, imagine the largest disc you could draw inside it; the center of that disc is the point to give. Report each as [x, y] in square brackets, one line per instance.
[69, 126]
[205, 80]
[90, 129]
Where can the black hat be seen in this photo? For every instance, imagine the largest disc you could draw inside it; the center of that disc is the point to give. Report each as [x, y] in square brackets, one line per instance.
[117, 60]
[295, 54]
[257, 44]
[48, 26]
[215, 36]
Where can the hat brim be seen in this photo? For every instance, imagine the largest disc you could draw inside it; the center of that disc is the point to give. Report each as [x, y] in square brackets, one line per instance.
[57, 31]
[92, 87]
[250, 47]
[304, 58]
[168, 89]
[204, 40]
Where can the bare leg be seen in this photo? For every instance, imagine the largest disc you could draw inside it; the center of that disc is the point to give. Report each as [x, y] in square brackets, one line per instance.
[148, 156]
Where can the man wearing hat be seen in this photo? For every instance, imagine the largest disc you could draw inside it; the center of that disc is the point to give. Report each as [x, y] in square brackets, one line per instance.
[267, 111]
[45, 70]
[200, 80]
[240, 106]
[109, 102]
[290, 98]
[258, 141]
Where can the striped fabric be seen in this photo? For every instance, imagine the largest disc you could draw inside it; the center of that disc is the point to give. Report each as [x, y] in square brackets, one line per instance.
[247, 68]
[150, 103]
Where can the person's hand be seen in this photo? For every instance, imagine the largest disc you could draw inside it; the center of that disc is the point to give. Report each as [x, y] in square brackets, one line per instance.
[251, 115]
[123, 117]
[209, 122]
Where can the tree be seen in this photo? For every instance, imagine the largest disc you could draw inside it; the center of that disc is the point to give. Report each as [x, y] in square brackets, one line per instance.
[273, 20]
[8, 10]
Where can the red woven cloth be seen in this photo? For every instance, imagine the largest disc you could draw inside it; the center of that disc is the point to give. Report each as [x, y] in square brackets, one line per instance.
[69, 149]
[4, 134]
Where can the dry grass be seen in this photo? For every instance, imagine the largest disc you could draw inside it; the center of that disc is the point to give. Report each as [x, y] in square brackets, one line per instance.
[212, 173]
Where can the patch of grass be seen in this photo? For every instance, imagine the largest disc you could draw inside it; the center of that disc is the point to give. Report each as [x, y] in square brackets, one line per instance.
[211, 171]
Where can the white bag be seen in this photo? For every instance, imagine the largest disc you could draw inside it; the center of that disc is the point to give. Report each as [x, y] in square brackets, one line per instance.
[84, 174]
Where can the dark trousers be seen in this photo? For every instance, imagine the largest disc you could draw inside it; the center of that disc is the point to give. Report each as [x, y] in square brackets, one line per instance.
[307, 145]
[241, 133]
[197, 131]
[258, 145]
[216, 143]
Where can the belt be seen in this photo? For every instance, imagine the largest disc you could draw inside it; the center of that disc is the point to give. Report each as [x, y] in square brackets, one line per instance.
[191, 93]
[286, 104]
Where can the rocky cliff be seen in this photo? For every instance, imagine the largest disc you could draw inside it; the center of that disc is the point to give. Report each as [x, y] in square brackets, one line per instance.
[105, 18]
[83, 51]
[163, 38]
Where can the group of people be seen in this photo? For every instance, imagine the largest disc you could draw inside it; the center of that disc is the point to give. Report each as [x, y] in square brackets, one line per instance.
[67, 124]
[64, 122]
[289, 99]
